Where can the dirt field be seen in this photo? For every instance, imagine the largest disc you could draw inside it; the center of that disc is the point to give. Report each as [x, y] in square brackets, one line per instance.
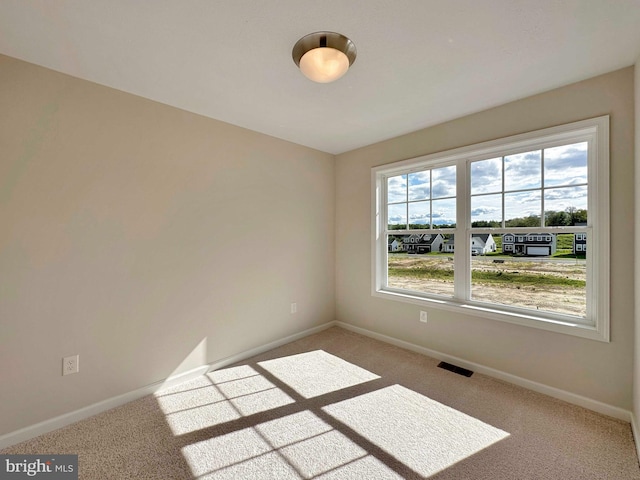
[554, 298]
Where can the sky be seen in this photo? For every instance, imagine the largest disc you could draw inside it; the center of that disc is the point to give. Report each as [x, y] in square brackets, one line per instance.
[521, 180]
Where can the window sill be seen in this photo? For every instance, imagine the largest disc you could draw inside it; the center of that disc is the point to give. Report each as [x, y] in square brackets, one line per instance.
[557, 325]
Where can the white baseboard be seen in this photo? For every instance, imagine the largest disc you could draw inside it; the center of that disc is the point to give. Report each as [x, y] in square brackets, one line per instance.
[60, 421]
[269, 346]
[636, 433]
[68, 418]
[569, 397]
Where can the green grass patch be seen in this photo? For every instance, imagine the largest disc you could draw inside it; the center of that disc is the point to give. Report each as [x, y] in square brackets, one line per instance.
[528, 279]
[499, 277]
[564, 241]
[569, 255]
[422, 272]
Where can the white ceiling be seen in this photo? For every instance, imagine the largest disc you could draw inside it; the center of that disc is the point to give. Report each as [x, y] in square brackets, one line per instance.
[420, 62]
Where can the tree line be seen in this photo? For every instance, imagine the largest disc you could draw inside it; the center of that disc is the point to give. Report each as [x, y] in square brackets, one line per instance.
[565, 218]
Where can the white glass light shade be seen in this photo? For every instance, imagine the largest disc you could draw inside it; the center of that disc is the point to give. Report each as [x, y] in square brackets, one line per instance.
[324, 56]
[324, 64]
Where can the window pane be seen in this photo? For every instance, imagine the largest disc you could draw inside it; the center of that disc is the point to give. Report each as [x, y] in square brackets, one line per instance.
[443, 182]
[522, 209]
[486, 176]
[565, 204]
[418, 263]
[397, 215]
[419, 215]
[522, 171]
[444, 213]
[486, 211]
[534, 271]
[565, 165]
[419, 187]
[397, 189]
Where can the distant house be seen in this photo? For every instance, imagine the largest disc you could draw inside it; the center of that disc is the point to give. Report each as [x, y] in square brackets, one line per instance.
[580, 243]
[422, 243]
[394, 245]
[447, 246]
[482, 243]
[531, 244]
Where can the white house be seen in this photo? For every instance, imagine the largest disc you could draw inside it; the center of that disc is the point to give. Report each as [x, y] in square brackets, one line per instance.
[394, 245]
[481, 244]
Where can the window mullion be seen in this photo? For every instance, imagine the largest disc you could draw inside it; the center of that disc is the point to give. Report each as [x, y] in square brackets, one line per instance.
[543, 220]
[383, 214]
[462, 264]
[502, 192]
[406, 203]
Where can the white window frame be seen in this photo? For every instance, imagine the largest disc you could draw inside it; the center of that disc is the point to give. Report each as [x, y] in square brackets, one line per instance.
[595, 326]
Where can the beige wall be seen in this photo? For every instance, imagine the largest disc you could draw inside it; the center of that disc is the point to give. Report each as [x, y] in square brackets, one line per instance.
[131, 231]
[600, 371]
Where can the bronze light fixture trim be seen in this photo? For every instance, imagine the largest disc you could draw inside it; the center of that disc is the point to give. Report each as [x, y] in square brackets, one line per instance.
[324, 56]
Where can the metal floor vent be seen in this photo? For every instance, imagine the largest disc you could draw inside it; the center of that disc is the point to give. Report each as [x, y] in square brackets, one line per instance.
[455, 369]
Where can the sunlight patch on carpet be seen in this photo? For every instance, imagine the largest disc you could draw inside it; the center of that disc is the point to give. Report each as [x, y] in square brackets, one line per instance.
[218, 397]
[425, 435]
[253, 395]
[296, 446]
[241, 454]
[316, 373]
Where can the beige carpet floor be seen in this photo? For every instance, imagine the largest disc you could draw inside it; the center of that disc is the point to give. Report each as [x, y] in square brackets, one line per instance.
[337, 405]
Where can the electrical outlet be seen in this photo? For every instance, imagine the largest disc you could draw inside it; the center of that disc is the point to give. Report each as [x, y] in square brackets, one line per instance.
[423, 316]
[70, 364]
[294, 308]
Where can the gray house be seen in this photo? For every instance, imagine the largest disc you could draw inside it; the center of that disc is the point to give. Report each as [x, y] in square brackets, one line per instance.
[422, 243]
[580, 243]
[531, 244]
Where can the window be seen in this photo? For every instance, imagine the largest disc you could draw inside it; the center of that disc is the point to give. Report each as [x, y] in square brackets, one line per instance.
[500, 229]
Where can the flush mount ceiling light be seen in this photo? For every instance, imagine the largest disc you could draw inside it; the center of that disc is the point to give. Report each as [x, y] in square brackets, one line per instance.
[324, 56]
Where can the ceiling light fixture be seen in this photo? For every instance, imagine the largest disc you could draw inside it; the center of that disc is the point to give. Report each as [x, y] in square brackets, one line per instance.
[324, 56]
